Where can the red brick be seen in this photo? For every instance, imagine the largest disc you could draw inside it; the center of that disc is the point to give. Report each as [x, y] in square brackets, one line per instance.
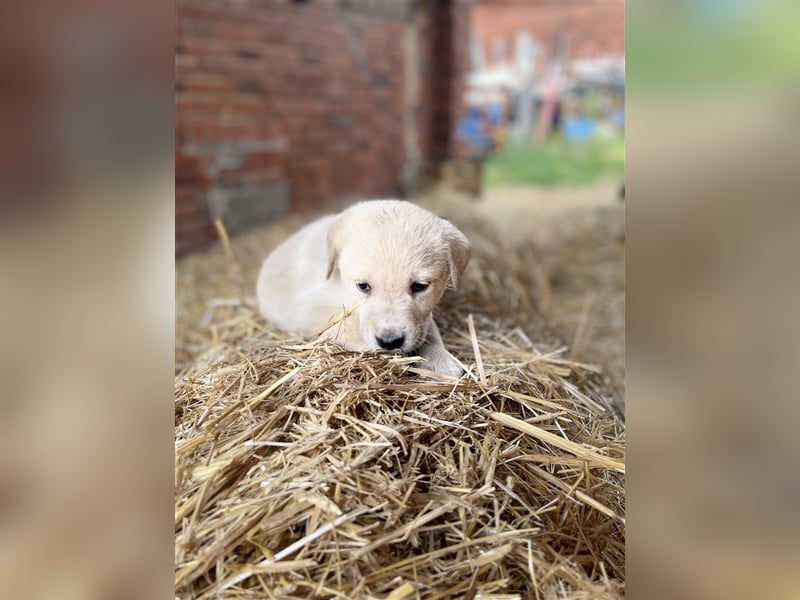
[328, 81]
[544, 20]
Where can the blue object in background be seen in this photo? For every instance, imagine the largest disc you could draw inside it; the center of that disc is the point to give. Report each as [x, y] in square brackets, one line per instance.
[494, 114]
[469, 130]
[577, 128]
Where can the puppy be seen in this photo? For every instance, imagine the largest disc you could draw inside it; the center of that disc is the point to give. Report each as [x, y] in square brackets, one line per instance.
[390, 259]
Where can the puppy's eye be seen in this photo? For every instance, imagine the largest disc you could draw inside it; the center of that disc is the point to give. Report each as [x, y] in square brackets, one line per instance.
[363, 287]
[419, 286]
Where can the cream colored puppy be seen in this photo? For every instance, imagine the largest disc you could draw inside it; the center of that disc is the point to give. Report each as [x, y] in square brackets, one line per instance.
[391, 258]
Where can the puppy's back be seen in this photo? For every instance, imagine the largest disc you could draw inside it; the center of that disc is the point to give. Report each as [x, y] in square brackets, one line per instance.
[292, 284]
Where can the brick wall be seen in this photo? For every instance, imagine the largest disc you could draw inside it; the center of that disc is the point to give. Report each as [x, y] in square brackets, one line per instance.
[595, 27]
[294, 105]
[193, 227]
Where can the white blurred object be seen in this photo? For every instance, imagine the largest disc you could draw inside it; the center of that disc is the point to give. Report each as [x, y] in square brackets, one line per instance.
[606, 70]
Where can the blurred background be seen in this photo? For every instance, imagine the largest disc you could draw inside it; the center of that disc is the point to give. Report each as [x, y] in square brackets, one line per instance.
[296, 105]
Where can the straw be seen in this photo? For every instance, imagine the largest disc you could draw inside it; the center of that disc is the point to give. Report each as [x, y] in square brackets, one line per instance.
[304, 470]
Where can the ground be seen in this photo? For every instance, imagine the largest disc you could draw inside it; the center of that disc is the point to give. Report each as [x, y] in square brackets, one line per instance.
[578, 237]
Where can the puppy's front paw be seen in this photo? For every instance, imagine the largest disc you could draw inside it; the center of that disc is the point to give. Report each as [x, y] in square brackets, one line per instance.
[443, 362]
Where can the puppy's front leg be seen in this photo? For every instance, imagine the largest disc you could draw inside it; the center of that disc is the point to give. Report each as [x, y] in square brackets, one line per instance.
[437, 358]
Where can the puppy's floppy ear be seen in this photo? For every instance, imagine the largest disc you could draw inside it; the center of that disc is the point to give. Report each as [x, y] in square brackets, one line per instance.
[334, 245]
[458, 250]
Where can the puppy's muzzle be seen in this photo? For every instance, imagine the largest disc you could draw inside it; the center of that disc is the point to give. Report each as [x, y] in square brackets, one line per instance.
[392, 343]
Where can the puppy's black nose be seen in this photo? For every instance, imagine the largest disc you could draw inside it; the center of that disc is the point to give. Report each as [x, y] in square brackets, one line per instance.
[390, 343]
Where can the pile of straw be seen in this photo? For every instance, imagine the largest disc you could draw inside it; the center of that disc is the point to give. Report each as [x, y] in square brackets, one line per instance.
[304, 471]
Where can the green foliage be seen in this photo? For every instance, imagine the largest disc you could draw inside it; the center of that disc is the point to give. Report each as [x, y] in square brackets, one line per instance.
[590, 106]
[557, 162]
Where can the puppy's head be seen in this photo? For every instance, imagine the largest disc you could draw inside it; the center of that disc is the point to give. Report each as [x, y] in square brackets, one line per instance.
[398, 258]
